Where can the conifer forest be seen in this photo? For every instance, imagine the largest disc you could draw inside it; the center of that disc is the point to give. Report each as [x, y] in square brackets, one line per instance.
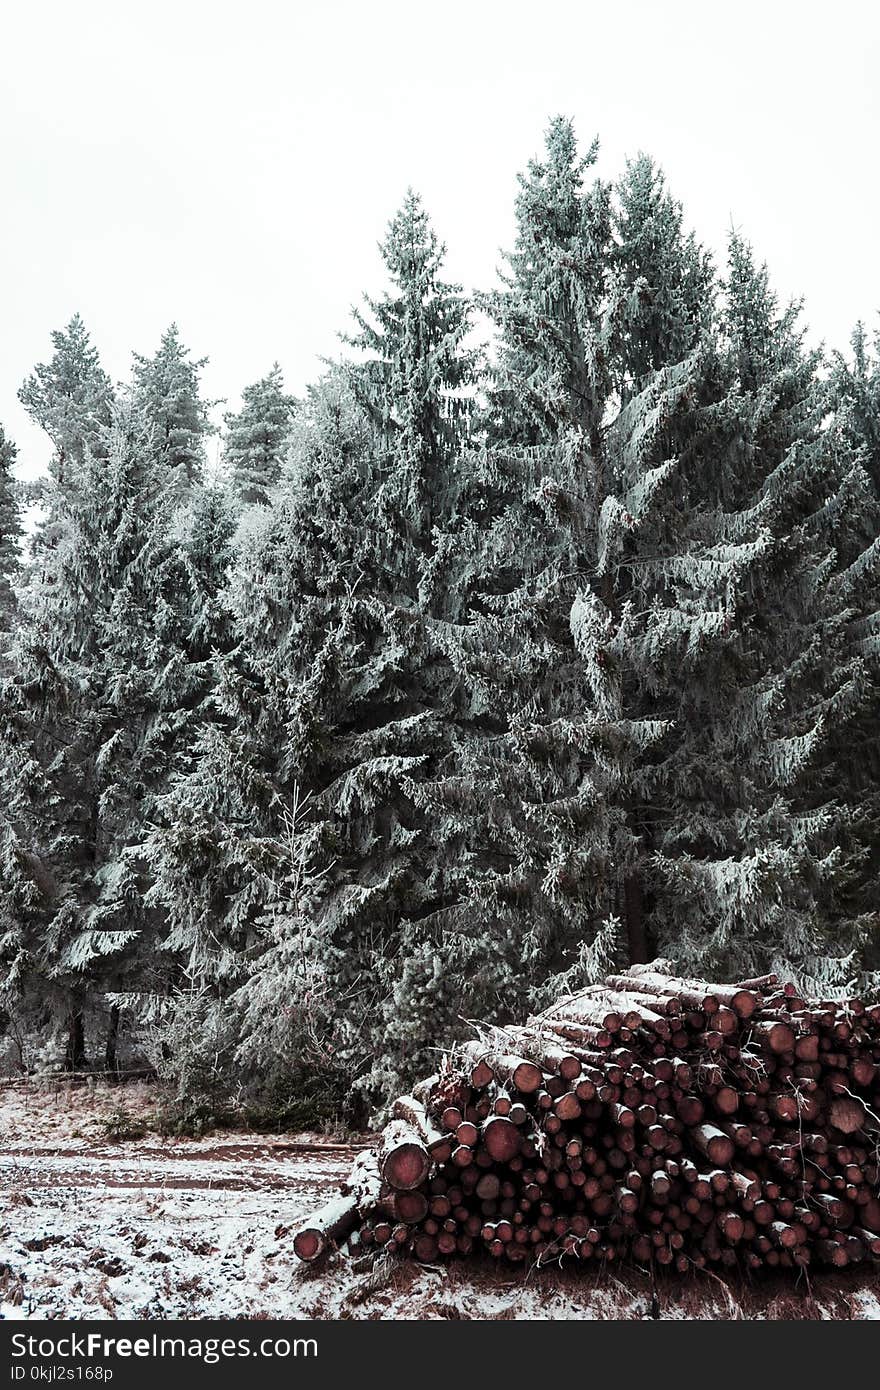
[538, 638]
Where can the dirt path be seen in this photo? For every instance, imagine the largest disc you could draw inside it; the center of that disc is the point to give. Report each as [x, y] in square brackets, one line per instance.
[232, 1166]
[202, 1228]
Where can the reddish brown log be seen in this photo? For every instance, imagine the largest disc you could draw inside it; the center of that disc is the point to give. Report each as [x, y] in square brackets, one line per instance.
[524, 1075]
[326, 1228]
[425, 1248]
[726, 1100]
[501, 1138]
[568, 1106]
[847, 1114]
[403, 1158]
[467, 1133]
[731, 1226]
[585, 1035]
[694, 993]
[770, 1033]
[550, 1055]
[837, 1212]
[830, 1253]
[714, 1143]
[806, 1048]
[410, 1207]
[870, 1239]
[863, 1071]
[759, 984]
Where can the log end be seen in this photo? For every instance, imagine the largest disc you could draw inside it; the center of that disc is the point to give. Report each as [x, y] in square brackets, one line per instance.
[406, 1167]
[502, 1139]
[308, 1244]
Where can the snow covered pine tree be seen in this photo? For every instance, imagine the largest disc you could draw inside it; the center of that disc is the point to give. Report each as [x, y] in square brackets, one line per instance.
[257, 437]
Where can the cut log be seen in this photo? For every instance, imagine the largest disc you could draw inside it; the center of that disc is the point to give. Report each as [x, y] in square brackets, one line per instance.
[656, 1001]
[403, 1158]
[585, 1034]
[714, 1143]
[759, 984]
[516, 1071]
[607, 1009]
[488, 1187]
[694, 993]
[501, 1138]
[579, 1144]
[778, 1037]
[847, 1114]
[478, 1069]
[425, 1248]
[326, 1228]
[410, 1207]
[550, 1055]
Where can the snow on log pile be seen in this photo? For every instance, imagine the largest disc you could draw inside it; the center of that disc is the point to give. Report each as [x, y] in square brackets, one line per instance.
[652, 1119]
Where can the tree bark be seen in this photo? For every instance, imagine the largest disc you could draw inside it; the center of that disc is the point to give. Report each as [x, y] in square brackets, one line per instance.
[75, 1055]
[112, 1040]
[636, 936]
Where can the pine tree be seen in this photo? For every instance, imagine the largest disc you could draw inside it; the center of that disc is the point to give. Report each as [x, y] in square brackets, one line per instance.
[101, 691]
[662, 279]
[332, 696]
[626, 788]
[257, 437]
[414, 381]
[856, 395]
[10, 530]
[167, 387]
[70, 397]
[745, 867]
[221, 850]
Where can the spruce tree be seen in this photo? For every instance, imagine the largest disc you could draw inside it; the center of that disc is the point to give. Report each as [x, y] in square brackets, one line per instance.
[332, 697]
[647, 772]
[537, 788]
[257, 437]
[168, 389]
[510, 675]
[413, 384]
[70, 397]
[19, 890]
[855, 388]
[10, 530]
[222, 848]
[101, 689]
[662, 280]
[760, 843]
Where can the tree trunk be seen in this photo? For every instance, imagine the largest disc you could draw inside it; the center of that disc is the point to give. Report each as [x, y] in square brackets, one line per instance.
[636, 936]
[75, 1055]
[112, 1039]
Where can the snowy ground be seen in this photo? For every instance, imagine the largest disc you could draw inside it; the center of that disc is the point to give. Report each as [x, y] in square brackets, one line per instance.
[163, 1228]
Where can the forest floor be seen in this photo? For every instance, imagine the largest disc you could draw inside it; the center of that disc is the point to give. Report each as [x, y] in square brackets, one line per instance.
[197, 1228]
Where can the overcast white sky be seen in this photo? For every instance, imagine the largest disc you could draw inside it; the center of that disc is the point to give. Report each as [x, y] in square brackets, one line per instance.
[232, 166]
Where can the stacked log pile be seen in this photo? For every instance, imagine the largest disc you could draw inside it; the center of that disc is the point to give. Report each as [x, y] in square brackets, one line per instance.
[652, 1119]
